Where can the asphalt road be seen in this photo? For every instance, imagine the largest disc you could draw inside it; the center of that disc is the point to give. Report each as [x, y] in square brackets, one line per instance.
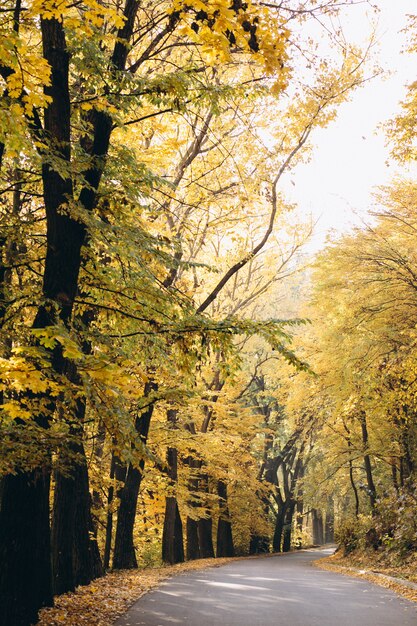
[280, 590]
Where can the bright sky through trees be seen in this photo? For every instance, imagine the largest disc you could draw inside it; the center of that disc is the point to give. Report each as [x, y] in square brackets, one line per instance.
[350, 157]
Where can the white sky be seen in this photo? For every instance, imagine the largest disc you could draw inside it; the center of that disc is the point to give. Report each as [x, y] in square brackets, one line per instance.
[350, 156]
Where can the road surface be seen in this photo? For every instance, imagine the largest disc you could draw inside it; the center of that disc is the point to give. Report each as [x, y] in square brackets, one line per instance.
[282, 590]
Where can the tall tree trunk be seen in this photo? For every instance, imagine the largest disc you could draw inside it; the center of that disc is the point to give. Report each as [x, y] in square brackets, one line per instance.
[97, 503]
[259, 544]
[205, 526]
[367, 462]
[225, 545]
[299, 508]
[318, 535]
[118, 472]
[193, 544]
[278, 530]
[62, 532]
[109, 516]
[25, 579]
[75, 556]
[329, 524]
[172, 536]
[299, 521]
[205, 537]
[287, 531]
[25, 572]
[354, 488]
[86, 555]
[124, 550]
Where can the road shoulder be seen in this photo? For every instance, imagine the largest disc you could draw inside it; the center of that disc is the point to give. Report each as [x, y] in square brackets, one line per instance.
[404, 588]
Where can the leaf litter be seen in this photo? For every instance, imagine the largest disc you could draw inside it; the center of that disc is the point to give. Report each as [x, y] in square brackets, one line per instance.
[101, 602]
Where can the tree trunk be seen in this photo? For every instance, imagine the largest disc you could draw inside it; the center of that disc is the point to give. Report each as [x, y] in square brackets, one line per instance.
[278, 530]
[118, 472]
[225, 545]
[62, 533]
[25, 572]
[109, 528]
[354, 488]
[287, 531]
[205, 526]
[205, 537]
[124, 550]
[25, 580]
[318, 536]
[367, 462]
[86, 555]
[109, 520]
[193, 545]
[75, 556]
[329, 525]
[299, 520]
[172, 537]
[258, 544]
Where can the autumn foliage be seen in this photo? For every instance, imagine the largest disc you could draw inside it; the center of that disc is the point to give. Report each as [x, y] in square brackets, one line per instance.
[160, 397]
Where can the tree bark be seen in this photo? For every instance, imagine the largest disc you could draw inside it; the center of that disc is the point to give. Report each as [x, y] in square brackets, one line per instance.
[25, 572]
[193, 544]
[205, 525]
[25, 580]
[352, 483]
[224, 542]
[86, 556]
[205, 537]
[318, 538]
[289, 514]
[258, 544]
[124, 550]
[172, 536]
[62, 533]
[329, 524]
[278, 530]
[367, 462]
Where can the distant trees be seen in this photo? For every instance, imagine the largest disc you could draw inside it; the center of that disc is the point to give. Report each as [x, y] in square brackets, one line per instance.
[364, 325]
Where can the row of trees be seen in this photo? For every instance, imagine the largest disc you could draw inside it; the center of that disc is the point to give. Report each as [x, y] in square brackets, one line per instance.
[367, 317]
[149, 389]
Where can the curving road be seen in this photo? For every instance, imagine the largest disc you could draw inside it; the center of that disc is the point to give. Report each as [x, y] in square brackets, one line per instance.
[282, 590]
